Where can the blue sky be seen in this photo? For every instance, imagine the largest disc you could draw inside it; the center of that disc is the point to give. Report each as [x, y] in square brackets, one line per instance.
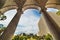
[52, 10]
[28, 21]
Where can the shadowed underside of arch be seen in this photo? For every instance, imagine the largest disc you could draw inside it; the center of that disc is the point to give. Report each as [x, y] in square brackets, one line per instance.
[8, 5]
[3, 10]
[2, 3]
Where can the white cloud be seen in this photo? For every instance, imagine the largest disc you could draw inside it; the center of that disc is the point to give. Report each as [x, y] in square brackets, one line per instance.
[27, 23]
[29, 20]
[10, 14]
[52, 10]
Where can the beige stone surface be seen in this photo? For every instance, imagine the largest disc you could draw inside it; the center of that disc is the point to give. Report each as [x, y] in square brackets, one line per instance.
[43, 27]
[2, 2]
[55, 18]
[44, 24]
[8, 5]
[53, 4]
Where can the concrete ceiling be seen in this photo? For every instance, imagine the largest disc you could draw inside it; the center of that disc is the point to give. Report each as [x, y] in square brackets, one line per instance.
[20, 2]
[40, 2]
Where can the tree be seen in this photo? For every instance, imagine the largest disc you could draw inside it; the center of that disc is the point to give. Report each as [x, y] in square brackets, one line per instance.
[48, 37]
[3, 17]
[58, 13]
[2, 28]
[16, 38]
[32, 37]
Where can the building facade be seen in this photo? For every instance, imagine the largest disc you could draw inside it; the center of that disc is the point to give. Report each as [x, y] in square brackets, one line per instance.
[49, 22]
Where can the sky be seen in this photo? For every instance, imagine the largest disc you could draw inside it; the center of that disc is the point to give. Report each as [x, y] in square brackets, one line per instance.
[52, 10]
[28, 22]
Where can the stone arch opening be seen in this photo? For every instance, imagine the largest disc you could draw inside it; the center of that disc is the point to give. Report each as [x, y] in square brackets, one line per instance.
[29, 20]
[9, 14]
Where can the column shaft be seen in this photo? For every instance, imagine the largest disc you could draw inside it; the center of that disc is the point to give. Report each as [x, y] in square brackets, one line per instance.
[9, 32]
[53, 27]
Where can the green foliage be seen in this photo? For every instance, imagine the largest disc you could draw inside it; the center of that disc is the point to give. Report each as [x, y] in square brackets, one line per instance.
[58, 13]
[2, 17]
[16, 38]
[20, 38]
[32, 37]
[48, 37]
[2, 29]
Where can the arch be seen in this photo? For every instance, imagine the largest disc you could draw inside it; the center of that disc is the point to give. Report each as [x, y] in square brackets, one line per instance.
[31, 7]
[4, 9]
[30, 19]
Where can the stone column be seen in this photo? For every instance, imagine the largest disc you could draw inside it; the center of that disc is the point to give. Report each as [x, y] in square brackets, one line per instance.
[9, 32]
[43, 28]
[54, 18]
[50, 24]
